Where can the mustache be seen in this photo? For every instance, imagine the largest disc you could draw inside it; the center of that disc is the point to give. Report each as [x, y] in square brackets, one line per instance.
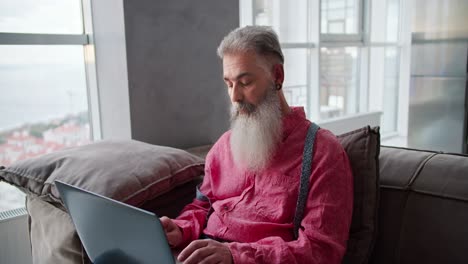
[243, 106]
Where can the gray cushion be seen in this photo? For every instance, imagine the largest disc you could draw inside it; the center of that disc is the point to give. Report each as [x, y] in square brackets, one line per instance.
[52, 234]
[363, 147]
[127, 170]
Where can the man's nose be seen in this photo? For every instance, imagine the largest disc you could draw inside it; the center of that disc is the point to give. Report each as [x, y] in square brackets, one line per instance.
[237, 93]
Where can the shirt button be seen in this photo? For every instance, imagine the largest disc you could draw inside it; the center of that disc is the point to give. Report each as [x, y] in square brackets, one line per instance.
[225, 207]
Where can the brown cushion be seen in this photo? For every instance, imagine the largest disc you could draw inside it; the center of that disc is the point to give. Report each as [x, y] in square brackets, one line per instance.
[170, 204]
[363, 147]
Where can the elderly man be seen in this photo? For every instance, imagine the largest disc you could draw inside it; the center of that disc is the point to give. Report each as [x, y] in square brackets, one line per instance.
[246, 206]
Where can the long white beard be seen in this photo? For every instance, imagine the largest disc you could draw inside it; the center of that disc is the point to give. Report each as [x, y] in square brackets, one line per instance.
[255, 136]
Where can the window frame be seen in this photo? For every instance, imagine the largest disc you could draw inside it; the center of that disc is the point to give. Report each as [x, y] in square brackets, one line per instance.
[86, 40]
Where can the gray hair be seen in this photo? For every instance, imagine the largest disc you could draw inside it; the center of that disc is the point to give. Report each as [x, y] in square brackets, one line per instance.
[261, 39]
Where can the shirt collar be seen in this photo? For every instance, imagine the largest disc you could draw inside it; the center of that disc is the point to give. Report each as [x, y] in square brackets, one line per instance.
[292, 119]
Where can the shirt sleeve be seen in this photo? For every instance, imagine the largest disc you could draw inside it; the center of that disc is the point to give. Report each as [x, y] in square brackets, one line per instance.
[193, 217]
[324, 229]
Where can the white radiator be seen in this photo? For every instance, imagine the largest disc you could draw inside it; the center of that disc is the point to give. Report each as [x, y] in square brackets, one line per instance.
[15, 247]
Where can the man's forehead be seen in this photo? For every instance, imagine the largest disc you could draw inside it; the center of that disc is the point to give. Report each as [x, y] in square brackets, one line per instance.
[238, 64]
[238, 59]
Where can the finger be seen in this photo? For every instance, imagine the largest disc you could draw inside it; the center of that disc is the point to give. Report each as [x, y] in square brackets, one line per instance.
[171, 237]
[164, 221]
[199, 255]
[194, 245]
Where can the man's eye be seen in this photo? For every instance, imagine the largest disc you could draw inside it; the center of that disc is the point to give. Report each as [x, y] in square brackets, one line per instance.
[245, 83]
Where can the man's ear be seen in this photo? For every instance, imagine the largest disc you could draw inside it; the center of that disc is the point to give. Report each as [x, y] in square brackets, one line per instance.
[278, 73]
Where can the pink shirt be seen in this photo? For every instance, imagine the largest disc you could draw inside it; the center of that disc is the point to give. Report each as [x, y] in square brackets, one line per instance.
[256, 210]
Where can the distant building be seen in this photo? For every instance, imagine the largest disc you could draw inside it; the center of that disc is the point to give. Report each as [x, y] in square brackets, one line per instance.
[20, 145]
[68, 135]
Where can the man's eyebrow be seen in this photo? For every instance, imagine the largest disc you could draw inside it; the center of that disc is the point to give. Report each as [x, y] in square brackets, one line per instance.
[239, 76]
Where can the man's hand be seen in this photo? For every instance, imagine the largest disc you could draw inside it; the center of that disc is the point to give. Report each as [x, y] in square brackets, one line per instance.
[173, 232]
[205, 251]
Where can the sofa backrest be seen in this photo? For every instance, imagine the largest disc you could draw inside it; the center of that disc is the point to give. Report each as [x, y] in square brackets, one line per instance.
[423, 211]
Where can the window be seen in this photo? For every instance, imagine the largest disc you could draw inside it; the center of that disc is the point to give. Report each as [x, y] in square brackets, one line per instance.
[43, 81]
[339, 82]
[342, 57]
[340, 17]
[384, 63]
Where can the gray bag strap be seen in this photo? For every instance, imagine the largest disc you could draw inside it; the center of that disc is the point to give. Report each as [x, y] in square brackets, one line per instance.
[305, 175]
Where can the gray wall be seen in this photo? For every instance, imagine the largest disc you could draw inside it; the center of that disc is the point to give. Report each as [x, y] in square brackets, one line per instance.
[177, 95]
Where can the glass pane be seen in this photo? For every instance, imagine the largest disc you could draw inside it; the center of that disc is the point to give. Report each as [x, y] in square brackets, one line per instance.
[393, 20]
[295, 63]
[339, 81]
[390, 93]
[384, 80]
[44, 100]
[41, 16]
[340, 16]
[436, 114]
[43, 105]
[289, 20]
[385, 20]
[295, 83]
[440, 19]
[439, 58]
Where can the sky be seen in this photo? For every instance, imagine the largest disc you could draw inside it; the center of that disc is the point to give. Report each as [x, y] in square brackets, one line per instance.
[41, 16]
[39, 83]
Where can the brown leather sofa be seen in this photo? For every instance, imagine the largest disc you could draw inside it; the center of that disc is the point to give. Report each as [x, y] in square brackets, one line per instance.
[421, 217]
[423, 210]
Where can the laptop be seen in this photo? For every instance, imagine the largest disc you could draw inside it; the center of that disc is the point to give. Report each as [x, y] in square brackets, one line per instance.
[114, 232]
